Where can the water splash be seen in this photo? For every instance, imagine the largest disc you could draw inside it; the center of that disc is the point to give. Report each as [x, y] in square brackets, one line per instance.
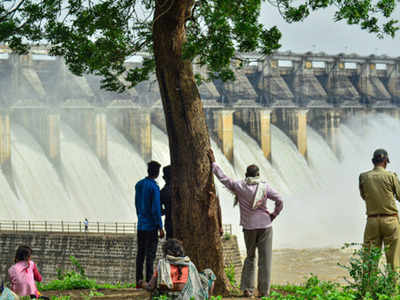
[126, 166]
[87, 183]
[247, 152]
[36, 179]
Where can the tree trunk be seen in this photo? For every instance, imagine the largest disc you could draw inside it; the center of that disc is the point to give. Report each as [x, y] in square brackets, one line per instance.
[195, 210]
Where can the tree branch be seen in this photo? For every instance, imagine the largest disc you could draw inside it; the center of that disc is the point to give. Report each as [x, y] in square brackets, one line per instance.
[13, 10]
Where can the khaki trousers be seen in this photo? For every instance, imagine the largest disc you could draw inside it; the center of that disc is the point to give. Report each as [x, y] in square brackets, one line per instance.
[386, 231]
[260, 239]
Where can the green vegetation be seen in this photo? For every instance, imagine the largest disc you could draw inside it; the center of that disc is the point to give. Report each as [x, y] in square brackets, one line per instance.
[77, 279]
[52, 298]
[230, 273]
[227, 236]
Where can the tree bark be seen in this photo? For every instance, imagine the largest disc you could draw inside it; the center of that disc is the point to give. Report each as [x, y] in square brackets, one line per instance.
[195, 207]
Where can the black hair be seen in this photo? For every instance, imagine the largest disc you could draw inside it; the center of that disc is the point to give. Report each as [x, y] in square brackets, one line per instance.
[23, 253]
[174, 247]
[252, 171]
[153, 169]
[378, 160]
[167, 173]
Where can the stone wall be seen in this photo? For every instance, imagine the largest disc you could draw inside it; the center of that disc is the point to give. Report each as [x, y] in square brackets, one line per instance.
[107, 258]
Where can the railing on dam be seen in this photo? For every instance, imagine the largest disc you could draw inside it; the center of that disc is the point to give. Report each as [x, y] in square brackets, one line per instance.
[75, 227]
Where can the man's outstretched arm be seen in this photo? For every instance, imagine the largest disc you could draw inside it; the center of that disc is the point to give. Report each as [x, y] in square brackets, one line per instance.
[225, 180]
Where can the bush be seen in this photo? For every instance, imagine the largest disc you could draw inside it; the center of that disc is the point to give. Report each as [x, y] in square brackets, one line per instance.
[230, 273]
[77, 279]
[369, 280]
[227, 236]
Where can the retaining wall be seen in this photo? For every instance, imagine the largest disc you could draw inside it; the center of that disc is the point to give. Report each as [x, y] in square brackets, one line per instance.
[107, 258]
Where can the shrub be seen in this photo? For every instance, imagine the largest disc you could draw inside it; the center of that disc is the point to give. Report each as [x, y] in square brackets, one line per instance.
[369, 280]
[230, 273]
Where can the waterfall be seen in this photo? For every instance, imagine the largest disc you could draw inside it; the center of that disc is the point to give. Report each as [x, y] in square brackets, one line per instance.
[126, 166]
[290, 163]
[37, 181]
[12, 208]
[160, 146]
[247, 152]
[88, 184]
[321, 158]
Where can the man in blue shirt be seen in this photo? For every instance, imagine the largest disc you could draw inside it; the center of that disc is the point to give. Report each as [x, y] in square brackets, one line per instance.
[148, 210]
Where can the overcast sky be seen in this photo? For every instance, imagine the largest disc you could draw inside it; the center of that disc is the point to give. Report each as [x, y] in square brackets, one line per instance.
[320, 33]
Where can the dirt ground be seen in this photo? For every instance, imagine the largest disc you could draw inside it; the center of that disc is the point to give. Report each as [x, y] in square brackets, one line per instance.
[295, 265]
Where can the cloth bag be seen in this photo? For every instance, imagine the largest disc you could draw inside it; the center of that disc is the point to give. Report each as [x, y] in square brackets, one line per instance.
[8, 294]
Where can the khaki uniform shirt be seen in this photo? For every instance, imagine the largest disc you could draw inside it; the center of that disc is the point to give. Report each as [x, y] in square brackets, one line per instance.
[378, 188]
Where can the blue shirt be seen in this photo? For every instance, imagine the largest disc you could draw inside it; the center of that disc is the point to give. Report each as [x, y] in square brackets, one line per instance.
[147, 202]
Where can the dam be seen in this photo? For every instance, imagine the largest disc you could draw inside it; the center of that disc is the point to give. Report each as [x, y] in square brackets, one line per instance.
[69, 150]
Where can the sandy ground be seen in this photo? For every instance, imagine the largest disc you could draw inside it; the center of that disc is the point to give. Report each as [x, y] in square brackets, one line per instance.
[295, 265]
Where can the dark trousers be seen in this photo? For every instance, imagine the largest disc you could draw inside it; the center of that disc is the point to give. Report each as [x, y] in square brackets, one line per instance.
[168, 231]
[147, 242]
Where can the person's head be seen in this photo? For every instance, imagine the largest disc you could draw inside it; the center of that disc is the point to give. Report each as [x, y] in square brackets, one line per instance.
[153, 169]
[173, 247]
[23, 253]
[167, 174]
[252, 171]
[380, 158]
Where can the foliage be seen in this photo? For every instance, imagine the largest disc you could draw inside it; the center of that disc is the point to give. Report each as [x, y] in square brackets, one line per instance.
[92, 293]
[76, 279]
[230, 273]
[312, 289]
[97, 36]
[52, 298]
[117, 285]
[227, 236]
[369, 280]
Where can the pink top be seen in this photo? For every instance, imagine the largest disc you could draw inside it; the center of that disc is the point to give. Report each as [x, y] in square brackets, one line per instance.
[22, 276]
[245, 193]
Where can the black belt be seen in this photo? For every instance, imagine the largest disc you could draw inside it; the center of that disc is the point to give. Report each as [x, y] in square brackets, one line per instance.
[382, 215]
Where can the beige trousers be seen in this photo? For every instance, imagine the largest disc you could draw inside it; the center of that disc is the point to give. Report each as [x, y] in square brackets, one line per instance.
[386, 231]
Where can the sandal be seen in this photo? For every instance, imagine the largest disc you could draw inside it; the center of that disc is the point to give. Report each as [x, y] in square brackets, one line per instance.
[247, 293]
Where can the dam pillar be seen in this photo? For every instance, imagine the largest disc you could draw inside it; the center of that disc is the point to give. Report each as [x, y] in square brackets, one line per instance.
[91, 125]
[332, 128]
[135, 124]
[43, 124]
[326, 122]
[158, 119]
[97, 131]
[223, 131]
[5, 142]
[294, 123]
[257, 123]
[140, 132]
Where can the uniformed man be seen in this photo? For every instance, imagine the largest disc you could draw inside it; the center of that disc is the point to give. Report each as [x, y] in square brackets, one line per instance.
[378, 188]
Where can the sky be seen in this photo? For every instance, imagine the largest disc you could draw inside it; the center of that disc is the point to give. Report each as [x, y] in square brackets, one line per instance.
[319, 33]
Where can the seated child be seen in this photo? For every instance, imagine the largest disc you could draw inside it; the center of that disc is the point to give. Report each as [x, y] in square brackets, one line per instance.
[177, 277]
[24, 273]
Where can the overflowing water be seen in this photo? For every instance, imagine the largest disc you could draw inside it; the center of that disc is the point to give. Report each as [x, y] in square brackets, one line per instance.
[322, 206]
[88, 184]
